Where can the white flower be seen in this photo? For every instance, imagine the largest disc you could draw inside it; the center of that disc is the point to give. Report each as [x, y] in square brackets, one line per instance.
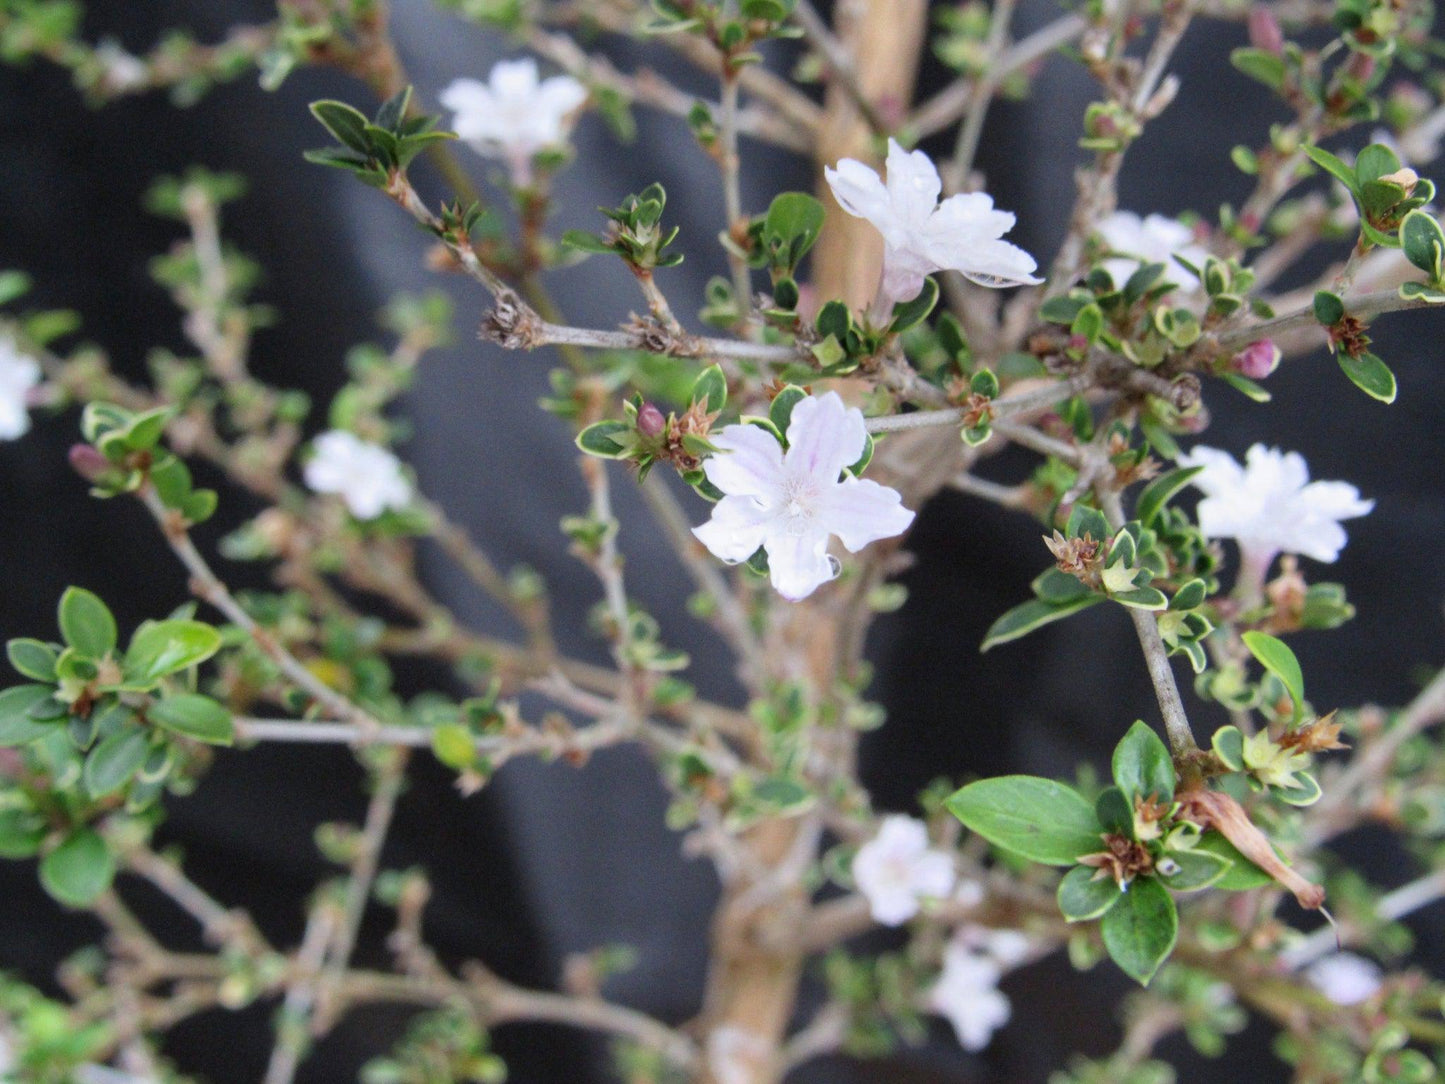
[513, 116]
[1007, 948]
[121, 71]
[1344, 978]
[896, 869]
[18, 374]
[735, 1056]
[921, 235]
[967, 995]
[1153, 239]
[1270, 506]
[367, 476]
[790, 503]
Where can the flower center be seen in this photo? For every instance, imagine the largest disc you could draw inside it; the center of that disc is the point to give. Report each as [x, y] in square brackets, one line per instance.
[798, 495]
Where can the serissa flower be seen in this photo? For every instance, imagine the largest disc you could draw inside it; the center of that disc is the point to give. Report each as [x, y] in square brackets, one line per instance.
[1153, 239]
[896, 870]
[18, 374]
[790, 503]
[1270, 506]
[366, 476]
[514, 115]
[921, 235]
[967, 995]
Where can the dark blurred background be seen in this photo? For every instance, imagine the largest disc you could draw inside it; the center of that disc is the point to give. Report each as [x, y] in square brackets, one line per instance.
[547, 860]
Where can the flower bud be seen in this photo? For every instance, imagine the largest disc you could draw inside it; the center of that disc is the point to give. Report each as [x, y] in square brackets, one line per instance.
[650, 421]
[1257, 360]
[89, 463]
[1264, 31]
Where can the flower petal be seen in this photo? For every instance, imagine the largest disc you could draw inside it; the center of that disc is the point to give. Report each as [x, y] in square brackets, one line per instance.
[798, 564]
[913, 185]
[750, 463]
[859, 511]
[736, 529]
[860, 191]
[824, 437]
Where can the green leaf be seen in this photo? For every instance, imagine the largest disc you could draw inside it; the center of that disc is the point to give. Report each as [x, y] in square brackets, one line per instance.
[1160, 492]
[584, 241]
[1276, 657]
[159, 648]
[1329, 309]
[1374, 162]
[780, 410]
[78, 870]
[608, 439]
[33, 659]
[1055, 585]
[21, 833]
[793, 222]
[911, 313]
[1242, 874]
[1039, 819]
[1140, 930]
[1262, 65]
[345, 123]
[454, 745]
[1308, 792]
[1247, 387]
[113, 762]
[1371, 375]
[711, 387]
[194, 716]
[1228, 745]
[17, 725]
[1142, 598]
[1025, 618]
[1418, 291]
[1423, 242]
[1197, 869]
[1083, 895]
[1084, 520]
[1335, 168]
[86, 623]
[1189, 596]
[1115, 812]
[1142, 765]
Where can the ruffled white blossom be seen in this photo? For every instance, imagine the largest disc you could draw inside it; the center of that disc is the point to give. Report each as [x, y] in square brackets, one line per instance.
[18, 374]
[792, 502]
[920, 234]
[514, 115]
[1270, 506]
[1344, 978]
[366, 476]
[967, 995]
[896, 870]
[1153, 239]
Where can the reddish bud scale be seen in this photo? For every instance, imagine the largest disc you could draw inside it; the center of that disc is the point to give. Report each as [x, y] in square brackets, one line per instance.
[87, 462]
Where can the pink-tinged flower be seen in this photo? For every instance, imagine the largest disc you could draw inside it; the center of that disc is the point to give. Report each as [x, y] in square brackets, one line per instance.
[967, 995]
[1344, 978]
[1257, 360]
[1264, 30]
[790, 503]
[1135, 241]
[513, 115]
[920, 234]
[366, 476]
[18, 374]
[896, 870]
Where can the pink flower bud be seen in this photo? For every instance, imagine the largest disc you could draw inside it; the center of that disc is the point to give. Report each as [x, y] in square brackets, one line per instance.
[1264, 31]
[1257, 360]
[650, 421]
[88, 462]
